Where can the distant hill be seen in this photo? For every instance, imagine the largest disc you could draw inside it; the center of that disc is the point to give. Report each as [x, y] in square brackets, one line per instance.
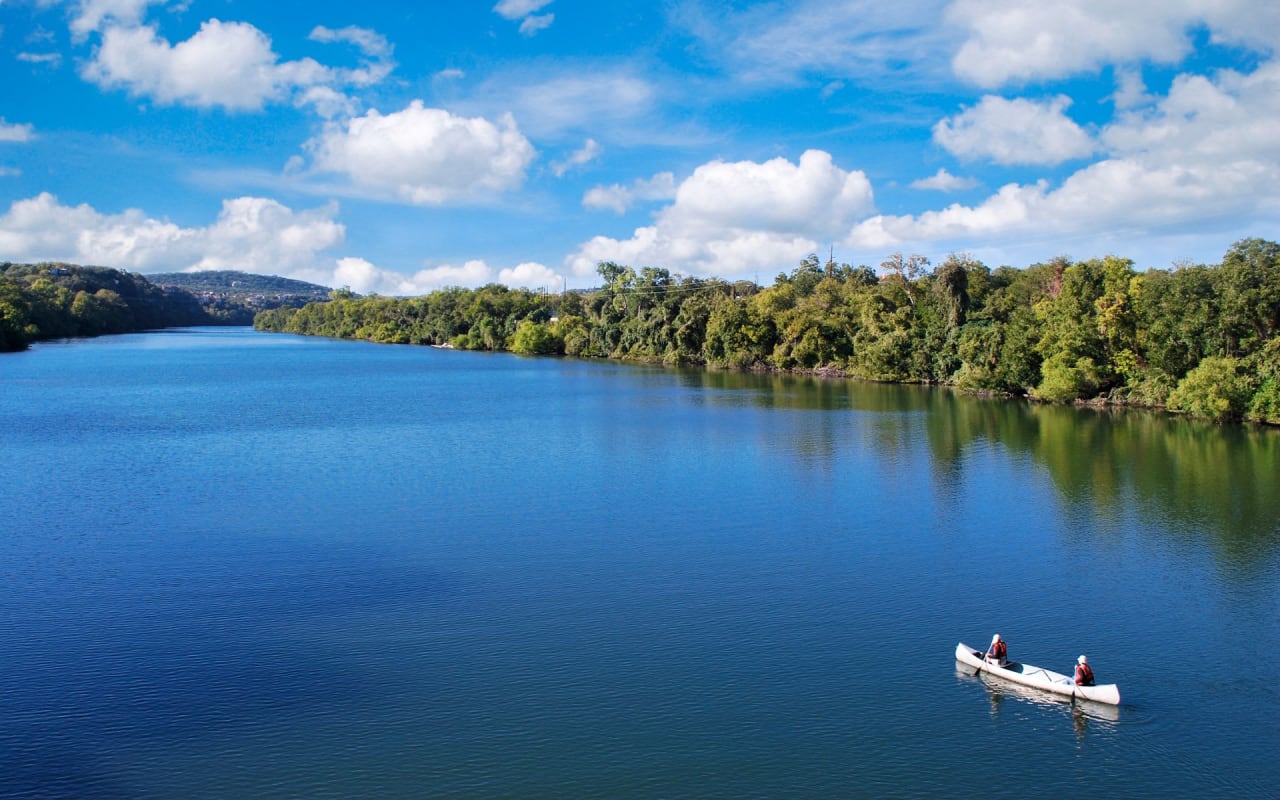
[257, 291]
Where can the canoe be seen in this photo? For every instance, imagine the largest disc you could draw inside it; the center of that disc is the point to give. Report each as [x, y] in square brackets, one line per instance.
[1039, 677]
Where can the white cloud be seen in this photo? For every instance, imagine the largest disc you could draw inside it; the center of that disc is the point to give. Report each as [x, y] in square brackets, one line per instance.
[1206, 154]
[1131, 90]
[327, 102]
[250, 233]
[9, 172]
[364, 277]
[619, 198]
[589, 152]
[92, 15]
[471, 273]
[425, 156]
[1025, 40]
[523, 10]
[1226, 123]
[228, 64]
[530, 25]
[1017, 131]
[830, 89]
[377, 63]
[736, 218]
[356, 274]
[574, 99]
[369, 42]
[16, 132]
[516, 9]
[943, 181]
[51, 59]
[858, 40]
[531, 275]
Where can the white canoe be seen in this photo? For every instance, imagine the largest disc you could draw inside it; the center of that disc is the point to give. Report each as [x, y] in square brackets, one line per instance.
[1038, 677]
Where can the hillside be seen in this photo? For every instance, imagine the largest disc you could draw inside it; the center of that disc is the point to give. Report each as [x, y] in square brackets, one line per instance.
[255, 291]
[54, 300]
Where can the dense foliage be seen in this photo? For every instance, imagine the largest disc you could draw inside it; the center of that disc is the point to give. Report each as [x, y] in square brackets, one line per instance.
[53, 301]
[1196, 339]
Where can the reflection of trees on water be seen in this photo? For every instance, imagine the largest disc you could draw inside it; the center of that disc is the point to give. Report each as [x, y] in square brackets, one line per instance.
[1183, 475]
[1172, 473]
[1176, 474]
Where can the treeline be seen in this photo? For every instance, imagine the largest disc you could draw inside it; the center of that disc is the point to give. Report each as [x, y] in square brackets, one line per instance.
[1198, 339]
[55, 301]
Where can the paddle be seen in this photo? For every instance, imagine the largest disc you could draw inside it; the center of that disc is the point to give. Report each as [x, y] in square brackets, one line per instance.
[982, 657]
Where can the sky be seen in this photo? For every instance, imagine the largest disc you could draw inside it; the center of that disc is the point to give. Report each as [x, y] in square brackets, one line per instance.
[398, 148]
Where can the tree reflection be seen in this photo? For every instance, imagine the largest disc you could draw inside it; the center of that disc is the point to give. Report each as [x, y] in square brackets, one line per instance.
[1167, 474]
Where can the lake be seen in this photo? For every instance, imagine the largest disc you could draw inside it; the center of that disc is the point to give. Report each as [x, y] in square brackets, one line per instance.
[236, 564]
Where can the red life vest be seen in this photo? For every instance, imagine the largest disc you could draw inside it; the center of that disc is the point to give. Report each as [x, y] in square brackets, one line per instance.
[998, 650]
[1084, 675]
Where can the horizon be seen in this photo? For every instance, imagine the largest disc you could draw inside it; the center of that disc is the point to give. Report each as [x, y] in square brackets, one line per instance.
[398, 152]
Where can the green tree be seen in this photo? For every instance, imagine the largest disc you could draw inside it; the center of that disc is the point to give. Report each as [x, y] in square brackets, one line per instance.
[536, 339]
[1250, 292]
[1216, 389]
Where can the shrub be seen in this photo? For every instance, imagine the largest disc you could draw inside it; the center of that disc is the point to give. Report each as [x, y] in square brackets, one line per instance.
[1215, 390]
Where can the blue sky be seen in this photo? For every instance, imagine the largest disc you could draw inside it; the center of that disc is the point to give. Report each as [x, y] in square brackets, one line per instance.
[397, 147]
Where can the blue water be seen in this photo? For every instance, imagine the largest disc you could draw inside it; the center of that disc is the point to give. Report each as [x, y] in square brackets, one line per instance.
[247, 565]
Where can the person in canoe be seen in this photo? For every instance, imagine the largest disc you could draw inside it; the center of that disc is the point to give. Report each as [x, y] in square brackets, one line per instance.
[998, 652]
[1084, 674]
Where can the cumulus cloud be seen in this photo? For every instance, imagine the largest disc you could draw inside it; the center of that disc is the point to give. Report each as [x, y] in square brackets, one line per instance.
[425, 156]
[16, 132]
[735, 218]
[589, 152]
[364, 277]
[943, 181]
[1017, 131]
[1025, 40]
[250, 233]
[1205, 152]
[227, 64]
[530, 275]
[470, 273]
[619, 198]
[1131, 90]
[232, 65]
[92, 15]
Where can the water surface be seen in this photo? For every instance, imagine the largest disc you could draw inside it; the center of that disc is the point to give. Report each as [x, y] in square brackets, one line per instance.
[236, 564]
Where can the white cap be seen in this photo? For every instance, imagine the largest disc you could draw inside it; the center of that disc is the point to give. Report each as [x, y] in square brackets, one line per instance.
[995, 638]
[1082, 660]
